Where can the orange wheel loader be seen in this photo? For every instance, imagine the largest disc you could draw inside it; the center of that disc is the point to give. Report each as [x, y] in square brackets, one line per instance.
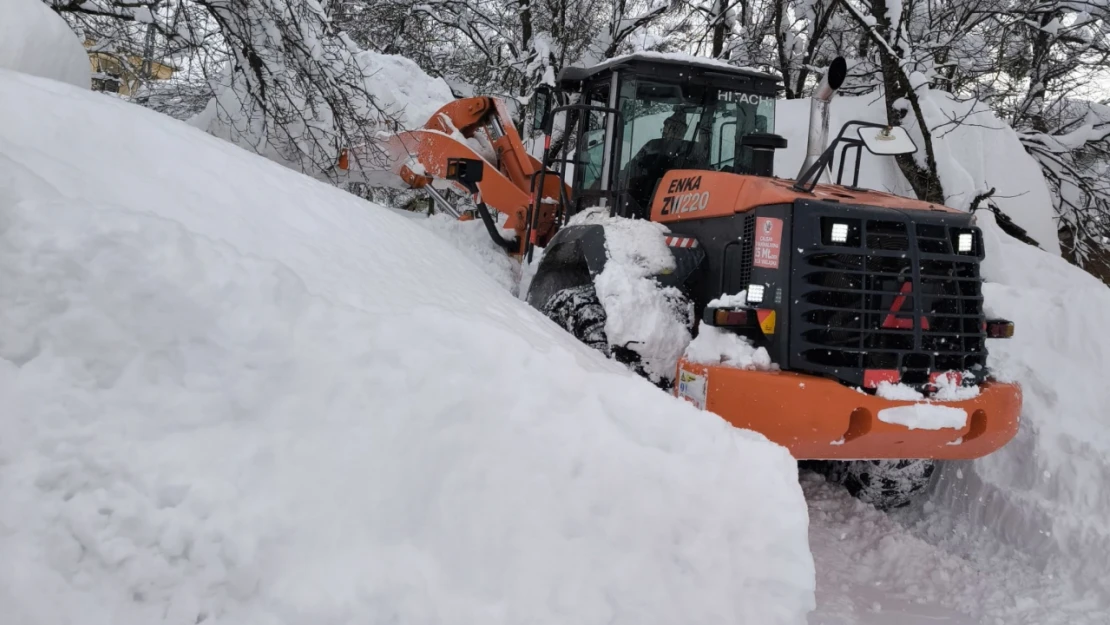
[850, 291]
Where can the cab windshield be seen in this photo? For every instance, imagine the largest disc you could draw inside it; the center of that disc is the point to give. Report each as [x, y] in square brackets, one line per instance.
[669, 126]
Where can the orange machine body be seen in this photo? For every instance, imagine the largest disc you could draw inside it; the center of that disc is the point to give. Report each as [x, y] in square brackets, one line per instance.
[820, 419]
[691, 194]
[479, 128]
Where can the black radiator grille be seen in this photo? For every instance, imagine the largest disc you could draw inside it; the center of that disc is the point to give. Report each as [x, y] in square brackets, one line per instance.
[900, 299]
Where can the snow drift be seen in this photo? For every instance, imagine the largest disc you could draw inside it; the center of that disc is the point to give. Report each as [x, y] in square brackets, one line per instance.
[37, 41]
[233, 394]
[1045, 493]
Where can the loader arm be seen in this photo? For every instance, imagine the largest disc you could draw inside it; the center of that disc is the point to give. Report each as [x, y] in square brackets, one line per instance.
[480, 128]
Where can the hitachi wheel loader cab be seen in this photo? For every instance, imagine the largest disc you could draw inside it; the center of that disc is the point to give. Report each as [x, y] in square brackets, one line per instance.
[850, 291]
[869, 304]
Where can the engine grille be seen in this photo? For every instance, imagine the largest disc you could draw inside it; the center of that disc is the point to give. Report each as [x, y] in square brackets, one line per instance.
[747, 246]
[895, 296]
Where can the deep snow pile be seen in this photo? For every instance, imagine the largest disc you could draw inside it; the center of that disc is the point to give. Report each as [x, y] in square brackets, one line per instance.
[1045, 493]
[235, 395]
[37, 41]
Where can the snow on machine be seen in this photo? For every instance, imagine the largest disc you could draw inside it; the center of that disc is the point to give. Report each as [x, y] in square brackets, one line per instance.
[866, 307]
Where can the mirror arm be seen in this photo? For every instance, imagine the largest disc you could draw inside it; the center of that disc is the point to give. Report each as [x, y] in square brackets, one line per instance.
[826, 157]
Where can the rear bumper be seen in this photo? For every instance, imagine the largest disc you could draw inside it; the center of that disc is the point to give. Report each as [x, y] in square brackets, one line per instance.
[820, 419]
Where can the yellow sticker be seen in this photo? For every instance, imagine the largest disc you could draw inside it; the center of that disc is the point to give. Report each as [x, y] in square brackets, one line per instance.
[767, 321]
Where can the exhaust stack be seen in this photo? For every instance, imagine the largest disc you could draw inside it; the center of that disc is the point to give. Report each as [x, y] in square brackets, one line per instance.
[819, 115]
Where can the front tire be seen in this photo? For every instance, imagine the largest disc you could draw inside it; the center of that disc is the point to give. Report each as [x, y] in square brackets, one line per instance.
[885, 484]
[578, 310]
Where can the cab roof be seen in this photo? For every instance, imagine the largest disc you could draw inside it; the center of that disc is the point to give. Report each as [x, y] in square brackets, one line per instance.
[674, 67]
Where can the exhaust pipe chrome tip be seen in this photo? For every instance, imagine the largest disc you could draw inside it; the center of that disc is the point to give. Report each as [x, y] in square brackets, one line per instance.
[818, 134]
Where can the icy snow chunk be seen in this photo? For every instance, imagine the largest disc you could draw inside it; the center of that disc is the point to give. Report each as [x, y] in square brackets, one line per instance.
[949, 390]
[925, 416]
[37, 41]
[370, 429]
[716, 346]
[735, 300]
[897, 392]
[640, 314]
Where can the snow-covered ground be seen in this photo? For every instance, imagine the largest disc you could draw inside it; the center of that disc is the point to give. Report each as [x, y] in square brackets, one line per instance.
[233, 394]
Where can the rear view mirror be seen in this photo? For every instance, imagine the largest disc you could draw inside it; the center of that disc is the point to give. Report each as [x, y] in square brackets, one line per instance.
[541, 106]
[890, 140]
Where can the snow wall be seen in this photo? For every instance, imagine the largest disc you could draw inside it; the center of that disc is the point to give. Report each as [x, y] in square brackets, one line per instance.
[233, 394]
[399, 87]
[35, 40]
[1045, 494]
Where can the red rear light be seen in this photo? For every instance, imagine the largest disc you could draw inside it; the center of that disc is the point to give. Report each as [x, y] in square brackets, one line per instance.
[727, 317]
[872, 377]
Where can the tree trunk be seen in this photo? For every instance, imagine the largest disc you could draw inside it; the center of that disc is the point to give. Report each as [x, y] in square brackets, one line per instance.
[896, 84]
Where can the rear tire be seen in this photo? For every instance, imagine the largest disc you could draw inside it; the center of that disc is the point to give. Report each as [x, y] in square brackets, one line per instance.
[885, 484]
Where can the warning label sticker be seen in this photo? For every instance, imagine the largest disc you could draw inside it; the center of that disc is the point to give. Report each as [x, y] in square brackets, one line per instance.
[768, 242]
[692, 387]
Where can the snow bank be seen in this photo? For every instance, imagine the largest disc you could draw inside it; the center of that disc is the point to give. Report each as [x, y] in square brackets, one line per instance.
[37, 41]
[235, 395]
[1045, 493]
[980, 153]
[472, 240]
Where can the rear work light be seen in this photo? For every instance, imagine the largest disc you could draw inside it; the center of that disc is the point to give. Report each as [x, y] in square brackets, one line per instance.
[755, 293]
[964, 242]
[1000, 329]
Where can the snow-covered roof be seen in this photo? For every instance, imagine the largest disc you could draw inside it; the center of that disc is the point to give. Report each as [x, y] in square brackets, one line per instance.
[671, 58]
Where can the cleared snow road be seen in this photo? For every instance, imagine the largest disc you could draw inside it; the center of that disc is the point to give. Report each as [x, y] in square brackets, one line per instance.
[924, 566]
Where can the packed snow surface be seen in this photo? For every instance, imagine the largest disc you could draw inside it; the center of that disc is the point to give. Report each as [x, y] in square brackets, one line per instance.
[233, 394]
[37, 41]
[925, 416]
